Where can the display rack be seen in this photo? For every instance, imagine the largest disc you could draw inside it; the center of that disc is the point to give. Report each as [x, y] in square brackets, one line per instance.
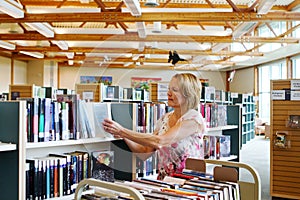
[284, 139]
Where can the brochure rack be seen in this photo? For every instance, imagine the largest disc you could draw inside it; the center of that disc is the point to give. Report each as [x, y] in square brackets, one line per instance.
[225, 172]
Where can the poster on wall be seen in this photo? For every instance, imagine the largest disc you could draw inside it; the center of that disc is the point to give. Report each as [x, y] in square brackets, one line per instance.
[107, 80]
[143, 82]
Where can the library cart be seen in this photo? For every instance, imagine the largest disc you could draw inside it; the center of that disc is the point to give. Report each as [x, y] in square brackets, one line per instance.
[223, 170]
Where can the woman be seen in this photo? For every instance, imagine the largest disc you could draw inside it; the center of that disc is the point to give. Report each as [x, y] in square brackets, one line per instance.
[177, 134]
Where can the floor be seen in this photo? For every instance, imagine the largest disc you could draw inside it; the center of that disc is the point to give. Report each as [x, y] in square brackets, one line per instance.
[256, 153]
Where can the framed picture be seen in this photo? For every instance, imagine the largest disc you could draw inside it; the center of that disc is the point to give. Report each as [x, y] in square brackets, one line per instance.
[107, 80]
[143, 82]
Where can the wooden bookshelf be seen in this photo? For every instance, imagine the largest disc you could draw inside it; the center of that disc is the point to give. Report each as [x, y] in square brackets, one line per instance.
[155, 90]
[23, 91]
[93, 91]
[284, 161]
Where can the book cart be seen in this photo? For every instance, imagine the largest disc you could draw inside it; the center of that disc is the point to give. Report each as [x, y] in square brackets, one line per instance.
[223, 171]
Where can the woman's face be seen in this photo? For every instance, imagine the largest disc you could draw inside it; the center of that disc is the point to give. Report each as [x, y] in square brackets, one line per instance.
[175, 97]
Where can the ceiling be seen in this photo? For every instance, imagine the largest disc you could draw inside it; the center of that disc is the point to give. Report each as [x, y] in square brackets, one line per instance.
[207, 34]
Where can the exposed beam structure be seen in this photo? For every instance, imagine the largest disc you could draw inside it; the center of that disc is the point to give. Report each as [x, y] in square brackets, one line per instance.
[194, 28]
[155, 16]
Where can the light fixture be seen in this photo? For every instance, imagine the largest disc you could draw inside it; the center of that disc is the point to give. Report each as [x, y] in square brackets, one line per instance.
[63, 45]
[151, 3]
[84, 1]
[141, 29]
[141, 47]
[43, 28]
[156, 27]
[134, 7]
[12, 8]
[7, 45]
[218, 47]
[70, 62]
[265, 6]
[243, 28]
[33, 54]
[70, 55]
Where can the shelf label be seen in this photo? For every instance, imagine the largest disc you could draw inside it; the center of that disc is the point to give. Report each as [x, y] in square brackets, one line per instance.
[278, 95]
[295, 84]
[162, 91]
[295, 95]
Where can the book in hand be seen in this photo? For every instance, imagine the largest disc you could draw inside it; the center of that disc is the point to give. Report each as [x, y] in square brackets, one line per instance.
[103, 165]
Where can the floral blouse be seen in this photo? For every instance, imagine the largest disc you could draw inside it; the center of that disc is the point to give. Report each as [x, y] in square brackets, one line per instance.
[172, 158]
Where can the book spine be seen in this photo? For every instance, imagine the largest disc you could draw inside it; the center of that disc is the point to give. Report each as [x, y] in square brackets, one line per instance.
[41, 134]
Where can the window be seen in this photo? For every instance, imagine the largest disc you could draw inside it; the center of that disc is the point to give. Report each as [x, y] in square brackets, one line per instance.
[265, 31]
[266, 73]
[296, 70]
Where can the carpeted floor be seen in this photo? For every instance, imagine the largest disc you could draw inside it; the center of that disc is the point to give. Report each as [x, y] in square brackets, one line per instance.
[256, 153]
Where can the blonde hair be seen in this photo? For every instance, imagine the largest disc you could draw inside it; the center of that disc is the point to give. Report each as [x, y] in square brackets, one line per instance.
[190, 87]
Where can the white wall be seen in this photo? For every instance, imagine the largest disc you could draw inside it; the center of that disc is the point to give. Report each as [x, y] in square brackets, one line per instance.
[20, 73]
[243, 81]
[69, 76]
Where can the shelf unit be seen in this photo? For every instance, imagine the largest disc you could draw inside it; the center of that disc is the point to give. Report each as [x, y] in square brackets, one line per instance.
[23, 91]
[91, 91]
[284, 161]
[246, 101]
[12, 136]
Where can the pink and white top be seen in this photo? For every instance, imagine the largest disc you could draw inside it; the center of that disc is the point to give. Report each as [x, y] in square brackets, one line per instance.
[172, 158]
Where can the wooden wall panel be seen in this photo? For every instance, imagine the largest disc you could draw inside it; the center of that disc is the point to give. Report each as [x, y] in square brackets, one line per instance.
[284, 162]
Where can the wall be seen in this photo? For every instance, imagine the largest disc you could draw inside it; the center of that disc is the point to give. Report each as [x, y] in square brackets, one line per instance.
[69, 76]
[35, 72]
[20, 73]
[243, 81]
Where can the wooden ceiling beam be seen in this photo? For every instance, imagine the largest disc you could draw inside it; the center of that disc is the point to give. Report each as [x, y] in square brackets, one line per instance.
[151, 17]
[133, 37]
[132, 50]
[167, 4]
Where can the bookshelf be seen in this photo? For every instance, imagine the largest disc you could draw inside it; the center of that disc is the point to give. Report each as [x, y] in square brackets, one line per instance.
[23, 91]
[12, 137]
[284, 150]
[91, 91]
[246, 101]
[14, 150]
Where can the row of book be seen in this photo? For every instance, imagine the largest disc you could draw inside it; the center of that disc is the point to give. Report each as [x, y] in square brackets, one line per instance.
[216, 147]
[58, 175]
[215, 115]
[186, 185]
[69, 117]
[52, 120]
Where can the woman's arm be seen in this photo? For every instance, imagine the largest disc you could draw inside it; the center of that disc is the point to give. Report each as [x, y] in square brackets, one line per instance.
[145, 141]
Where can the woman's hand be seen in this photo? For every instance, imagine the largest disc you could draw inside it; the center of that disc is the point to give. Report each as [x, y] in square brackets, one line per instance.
[113, 128]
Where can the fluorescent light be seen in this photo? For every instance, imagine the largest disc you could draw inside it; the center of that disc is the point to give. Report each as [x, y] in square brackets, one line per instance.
[134, 7]
[265, 6]
[70, 62]
[218, 47]
[70, 55]
[33, 54]
[151, 3]
[243, 28]
[141, 29]
[156, 27]
[42, 10]
[7, 45]
[12, 8]
[61, 44]
[43, 28]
